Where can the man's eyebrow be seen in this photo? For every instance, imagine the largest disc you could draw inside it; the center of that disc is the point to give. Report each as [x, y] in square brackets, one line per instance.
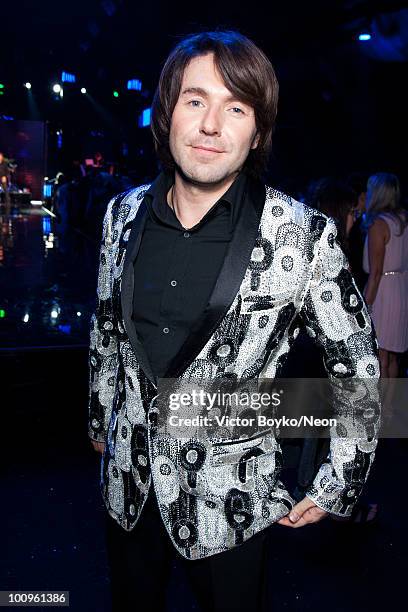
[203, 93]
[195, 90]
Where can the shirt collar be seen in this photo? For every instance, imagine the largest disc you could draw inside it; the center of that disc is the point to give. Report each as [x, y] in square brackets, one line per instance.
[160, 210]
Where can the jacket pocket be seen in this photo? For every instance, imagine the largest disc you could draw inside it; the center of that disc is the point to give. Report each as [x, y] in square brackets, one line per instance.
[238, 451]
[264, 304]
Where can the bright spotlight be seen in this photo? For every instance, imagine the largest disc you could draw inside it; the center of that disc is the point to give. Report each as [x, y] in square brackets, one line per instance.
[56, 88]
[83, 90]
[27, 85]
[364, 36]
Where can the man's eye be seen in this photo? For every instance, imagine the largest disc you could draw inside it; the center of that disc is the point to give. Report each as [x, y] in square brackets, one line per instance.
[236, 108]
[195, 103]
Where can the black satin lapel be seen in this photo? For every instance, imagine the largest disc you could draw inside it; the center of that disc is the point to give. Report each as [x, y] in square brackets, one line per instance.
[127, 287]
[229, 280]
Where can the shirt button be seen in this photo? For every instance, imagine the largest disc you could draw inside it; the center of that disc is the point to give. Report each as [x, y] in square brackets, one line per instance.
[186, 234]
[173, 283]
[165, 330]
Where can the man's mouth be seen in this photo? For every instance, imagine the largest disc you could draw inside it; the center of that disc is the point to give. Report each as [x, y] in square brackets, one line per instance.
[208, 149]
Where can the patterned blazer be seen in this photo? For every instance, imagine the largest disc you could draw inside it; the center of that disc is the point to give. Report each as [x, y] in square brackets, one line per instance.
[284, 267]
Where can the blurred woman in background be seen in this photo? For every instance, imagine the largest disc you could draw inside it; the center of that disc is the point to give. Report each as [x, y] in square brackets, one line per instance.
[386, 262]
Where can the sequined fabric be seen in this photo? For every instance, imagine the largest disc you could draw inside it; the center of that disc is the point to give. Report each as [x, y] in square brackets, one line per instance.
[209, 500]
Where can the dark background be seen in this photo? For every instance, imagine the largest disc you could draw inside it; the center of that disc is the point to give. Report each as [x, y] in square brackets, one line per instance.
[342, 102]
[342, 109]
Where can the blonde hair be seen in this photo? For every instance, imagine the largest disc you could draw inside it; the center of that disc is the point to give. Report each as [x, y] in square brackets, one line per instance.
[383, 197]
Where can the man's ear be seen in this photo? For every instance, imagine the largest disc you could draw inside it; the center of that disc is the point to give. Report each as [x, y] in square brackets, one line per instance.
[255, 141]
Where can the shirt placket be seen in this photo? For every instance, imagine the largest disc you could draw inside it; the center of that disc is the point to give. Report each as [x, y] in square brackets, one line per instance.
[170, 302]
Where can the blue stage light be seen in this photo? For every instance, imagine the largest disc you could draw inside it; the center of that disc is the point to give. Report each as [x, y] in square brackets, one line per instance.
[134, 84]
[47, 191]
[65, 329]
[144, 119]
[46, 223]
[364, 36]
[67, 77]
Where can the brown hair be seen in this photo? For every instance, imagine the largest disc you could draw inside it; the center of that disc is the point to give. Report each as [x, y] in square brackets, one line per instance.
[336, 199]
[246, 72]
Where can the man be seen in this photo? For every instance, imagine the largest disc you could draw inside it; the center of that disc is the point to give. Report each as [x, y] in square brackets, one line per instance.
[207, 272]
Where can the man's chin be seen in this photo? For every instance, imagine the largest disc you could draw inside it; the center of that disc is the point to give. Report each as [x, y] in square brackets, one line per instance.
[204, 176]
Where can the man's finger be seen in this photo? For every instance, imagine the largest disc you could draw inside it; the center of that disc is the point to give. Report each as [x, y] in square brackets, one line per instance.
[307, 519]
[286, 522]
[303, 513]
[300, 508]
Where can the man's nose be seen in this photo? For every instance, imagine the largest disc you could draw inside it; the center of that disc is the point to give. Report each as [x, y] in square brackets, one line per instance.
[211, 122]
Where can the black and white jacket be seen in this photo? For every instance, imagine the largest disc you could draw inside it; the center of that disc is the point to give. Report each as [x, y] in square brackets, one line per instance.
[284, 266]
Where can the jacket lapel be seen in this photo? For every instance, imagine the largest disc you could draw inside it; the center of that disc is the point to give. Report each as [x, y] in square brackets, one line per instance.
[226, 287]
[127, 287]
[229, 280]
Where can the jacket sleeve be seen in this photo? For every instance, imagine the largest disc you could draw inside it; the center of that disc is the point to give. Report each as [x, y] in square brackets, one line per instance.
[103, 356]
[336, 316]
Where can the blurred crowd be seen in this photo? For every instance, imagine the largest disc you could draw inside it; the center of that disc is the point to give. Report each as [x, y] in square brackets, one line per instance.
[368, 210]
[372, 229]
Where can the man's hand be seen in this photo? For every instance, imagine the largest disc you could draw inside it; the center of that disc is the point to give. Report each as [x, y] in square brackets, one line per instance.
[303, 513]
[98, 446]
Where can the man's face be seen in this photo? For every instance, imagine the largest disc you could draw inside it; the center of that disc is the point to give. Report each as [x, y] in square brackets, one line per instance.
[207, 116]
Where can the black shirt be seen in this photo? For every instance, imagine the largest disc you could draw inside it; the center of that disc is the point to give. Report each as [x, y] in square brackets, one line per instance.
[175, 270]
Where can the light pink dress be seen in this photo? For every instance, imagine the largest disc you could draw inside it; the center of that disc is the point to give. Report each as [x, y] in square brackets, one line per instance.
[390, 307]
